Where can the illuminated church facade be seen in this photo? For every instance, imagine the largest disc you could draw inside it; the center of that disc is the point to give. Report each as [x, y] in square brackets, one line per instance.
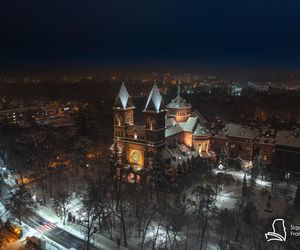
[173, 131]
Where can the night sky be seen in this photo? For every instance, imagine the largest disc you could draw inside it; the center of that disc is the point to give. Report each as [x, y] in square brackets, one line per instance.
[43, 32]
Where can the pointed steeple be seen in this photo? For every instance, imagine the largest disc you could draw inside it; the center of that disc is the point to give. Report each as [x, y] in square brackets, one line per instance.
[178, 101]
[155, 101]
[123, 99]
[178, 90]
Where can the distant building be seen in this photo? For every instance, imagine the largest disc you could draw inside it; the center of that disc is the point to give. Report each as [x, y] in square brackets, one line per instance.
[237, 88]
[239, 141]
[279, 148]
[293, 85]
[287, 151]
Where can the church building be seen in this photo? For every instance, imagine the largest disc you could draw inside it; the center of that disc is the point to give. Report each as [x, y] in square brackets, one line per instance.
[174, 131]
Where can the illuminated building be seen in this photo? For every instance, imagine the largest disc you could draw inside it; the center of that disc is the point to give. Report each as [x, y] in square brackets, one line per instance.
[287, 151]
[179, 109]
[174, 131]
[136, 145]
[178, 134]
[278, 148]
[186, 129]
[244, 142]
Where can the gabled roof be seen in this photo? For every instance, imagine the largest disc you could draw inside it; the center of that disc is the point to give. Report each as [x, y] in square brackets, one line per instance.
[236, 130]
[173, 130]
[123, 99]
[155, 101]
[288, 138]
[170, 122]
[190, 124]
[178, 102]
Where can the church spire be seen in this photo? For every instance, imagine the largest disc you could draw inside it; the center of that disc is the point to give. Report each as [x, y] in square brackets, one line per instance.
[123, 99]
[178, 90]
[155, 101]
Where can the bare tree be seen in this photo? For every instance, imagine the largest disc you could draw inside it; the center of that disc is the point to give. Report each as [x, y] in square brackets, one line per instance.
[224, 157]
[238, 211]
[61, 203]
[204, 204]
[19, 202]
[103, 208]
[88, 220]
[297, 197]
[219, 180]
[224, 227]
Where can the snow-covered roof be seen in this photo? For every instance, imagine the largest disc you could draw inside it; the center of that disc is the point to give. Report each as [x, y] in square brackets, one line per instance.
[170, 122]
[4, 213]
[123, 99]
[237, 130]
[190, 124]
[288, 138]
[155, 101]
[181, 154]
[178, 101]
[170, 131]
[200, 131]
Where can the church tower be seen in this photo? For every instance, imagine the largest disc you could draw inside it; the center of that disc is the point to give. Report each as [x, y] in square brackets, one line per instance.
[123, 116]
[154, 113]
[179, 109]
[135, 146]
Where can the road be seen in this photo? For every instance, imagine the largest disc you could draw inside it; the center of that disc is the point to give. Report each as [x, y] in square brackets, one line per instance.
[54, 233]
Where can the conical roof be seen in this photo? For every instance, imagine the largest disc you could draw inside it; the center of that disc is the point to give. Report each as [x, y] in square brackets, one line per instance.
[123, 99]
[155, 101]
[200, 131]
[178, 101]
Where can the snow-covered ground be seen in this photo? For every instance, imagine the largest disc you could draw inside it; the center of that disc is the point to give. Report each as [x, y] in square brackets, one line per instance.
[227, 199]
[228, 196]
[160, 233]
[4, 213]
[239, 175]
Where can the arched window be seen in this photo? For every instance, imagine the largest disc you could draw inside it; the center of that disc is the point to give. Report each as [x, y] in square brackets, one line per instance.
[151, 123]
